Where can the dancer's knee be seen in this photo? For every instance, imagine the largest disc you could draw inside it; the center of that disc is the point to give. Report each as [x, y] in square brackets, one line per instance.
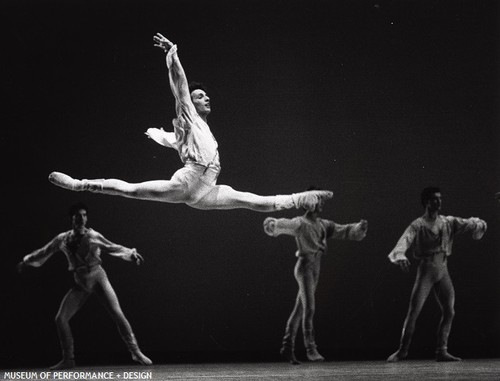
[117, 314]
[61, 319]
[225, 197]
[135, 191]
[449, 312]
[121, 188]
[309, 312]
[412, 316]
[166, 191]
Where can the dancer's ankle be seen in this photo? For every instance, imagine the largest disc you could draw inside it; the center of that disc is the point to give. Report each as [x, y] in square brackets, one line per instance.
[313, 354]
[65, 363]
[95, 186]
[442, 355]
[288, 354]
[399, 355]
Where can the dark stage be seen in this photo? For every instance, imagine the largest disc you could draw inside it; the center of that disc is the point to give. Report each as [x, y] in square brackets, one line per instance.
[374, 100]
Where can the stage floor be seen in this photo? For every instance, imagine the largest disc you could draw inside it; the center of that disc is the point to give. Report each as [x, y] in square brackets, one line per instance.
[424, 370]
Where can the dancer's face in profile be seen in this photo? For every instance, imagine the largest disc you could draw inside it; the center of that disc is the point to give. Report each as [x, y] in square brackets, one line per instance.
[79, 219]
[201, 101]
[434, 203]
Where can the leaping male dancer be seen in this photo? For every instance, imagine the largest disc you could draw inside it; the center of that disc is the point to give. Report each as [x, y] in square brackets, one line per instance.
[195, 183]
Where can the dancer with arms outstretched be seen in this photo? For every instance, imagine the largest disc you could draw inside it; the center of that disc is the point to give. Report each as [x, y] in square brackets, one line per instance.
[83, 247]
[430, 238]
[311, 234]
[195, 183]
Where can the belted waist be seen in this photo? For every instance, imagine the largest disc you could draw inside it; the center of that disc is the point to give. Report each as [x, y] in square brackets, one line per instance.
[304, 254]
[430, 254]
[205, 167]
[85, 268]
[434, 257]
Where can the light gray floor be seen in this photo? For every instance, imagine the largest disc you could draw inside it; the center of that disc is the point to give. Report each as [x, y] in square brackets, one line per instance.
[424, 370]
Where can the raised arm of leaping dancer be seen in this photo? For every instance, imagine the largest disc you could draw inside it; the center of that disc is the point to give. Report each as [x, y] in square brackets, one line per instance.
[177, 76]
[195, 183]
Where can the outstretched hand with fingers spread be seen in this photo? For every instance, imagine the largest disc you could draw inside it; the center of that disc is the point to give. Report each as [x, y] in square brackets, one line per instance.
[162, 42]
[137, 258]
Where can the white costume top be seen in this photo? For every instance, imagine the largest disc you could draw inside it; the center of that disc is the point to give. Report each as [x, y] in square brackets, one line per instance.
[424, 238]
[192, 137]
[87, 253]
[311, 236]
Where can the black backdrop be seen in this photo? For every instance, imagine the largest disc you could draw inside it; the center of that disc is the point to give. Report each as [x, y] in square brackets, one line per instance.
[372, 99]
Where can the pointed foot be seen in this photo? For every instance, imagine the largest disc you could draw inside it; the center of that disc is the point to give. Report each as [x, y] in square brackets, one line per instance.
[309, 199]
[64, 181]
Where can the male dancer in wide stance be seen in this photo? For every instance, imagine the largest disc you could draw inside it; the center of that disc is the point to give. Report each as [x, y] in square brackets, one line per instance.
[83, 247]
[430, 238]
[194, 184]
[311, 233]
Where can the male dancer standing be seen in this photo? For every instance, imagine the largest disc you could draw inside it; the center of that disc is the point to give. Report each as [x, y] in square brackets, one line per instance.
[195, 183]
[83, 247]
[430, 238]
[311, 233]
